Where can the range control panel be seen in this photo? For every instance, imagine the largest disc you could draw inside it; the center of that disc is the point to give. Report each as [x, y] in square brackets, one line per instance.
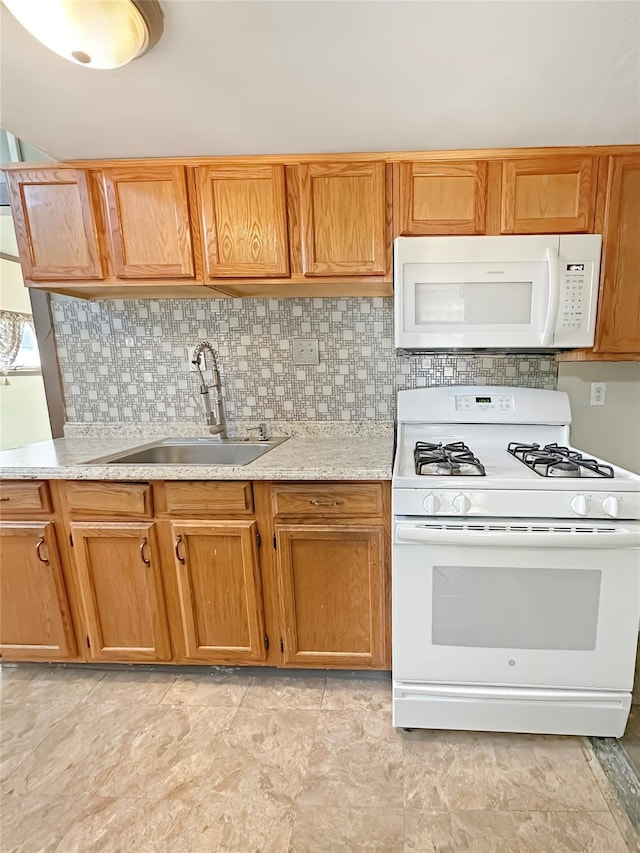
[575, 289]
[484, 403]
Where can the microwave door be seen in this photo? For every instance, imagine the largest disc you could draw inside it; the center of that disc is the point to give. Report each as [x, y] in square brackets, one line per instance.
[465, 305]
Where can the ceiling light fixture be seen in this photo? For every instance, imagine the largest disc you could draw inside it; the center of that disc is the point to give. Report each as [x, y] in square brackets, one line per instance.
[95, 33]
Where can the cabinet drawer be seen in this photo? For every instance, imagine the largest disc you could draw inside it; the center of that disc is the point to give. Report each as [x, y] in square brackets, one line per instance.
[24, 497]
[202, 498]
[109, 500]
[334, 499]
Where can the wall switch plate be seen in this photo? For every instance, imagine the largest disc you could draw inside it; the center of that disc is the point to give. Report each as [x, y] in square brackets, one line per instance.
[598, 393]
[203, 360]
[147, 355]
[305, 351]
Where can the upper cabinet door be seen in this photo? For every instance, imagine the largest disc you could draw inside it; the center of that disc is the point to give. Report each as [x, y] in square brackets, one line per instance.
[343, 219]
[244, 221]
[148, 222]
[618, 326]
[442, 198]
[548, 195]
[55, 224]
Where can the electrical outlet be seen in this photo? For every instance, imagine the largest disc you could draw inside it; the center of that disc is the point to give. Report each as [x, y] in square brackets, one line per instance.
[598, 393]
[203, 360]
[305, 351]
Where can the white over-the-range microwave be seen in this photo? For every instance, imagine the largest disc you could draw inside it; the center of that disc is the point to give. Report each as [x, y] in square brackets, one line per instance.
[496, 293]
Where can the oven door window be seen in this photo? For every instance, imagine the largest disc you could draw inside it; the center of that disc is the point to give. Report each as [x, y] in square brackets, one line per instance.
[510, 607]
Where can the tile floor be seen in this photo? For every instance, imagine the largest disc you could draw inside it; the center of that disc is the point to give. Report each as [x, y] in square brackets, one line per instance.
[154, 761]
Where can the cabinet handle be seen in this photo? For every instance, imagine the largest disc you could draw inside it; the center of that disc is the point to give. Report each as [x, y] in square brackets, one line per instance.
[179, 556]
[39, 545]
[317, 502]
[143, 545]
[5, 499]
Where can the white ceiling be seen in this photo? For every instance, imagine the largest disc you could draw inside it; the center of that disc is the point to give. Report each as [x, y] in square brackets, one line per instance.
[275, 77]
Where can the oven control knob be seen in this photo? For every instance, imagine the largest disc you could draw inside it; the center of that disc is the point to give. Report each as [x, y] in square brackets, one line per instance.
[431, 504]
[579, 505]
[461, 504]
[611, 506]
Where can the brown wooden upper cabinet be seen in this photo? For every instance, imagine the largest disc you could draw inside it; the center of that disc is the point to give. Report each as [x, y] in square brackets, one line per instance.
[148, 224]
[244, 221]
[441, 197]
[343, 219]
[549, 195]
[618, 326]
[55, 224]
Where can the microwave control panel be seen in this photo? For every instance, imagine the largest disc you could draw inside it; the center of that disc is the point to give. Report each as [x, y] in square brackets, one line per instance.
[575, 291]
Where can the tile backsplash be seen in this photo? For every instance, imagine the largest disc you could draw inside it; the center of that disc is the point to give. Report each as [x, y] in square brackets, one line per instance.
[127, 361]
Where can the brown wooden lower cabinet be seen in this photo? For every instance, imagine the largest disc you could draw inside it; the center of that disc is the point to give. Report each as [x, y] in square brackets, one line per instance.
[332, 582]
[120, 581]
[219, 616]
[34, 607]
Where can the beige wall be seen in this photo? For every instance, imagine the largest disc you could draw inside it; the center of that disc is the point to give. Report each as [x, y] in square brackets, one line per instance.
[613, 430]
[23, 408]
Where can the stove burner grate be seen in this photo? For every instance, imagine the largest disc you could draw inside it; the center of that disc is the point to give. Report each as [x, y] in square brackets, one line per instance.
[450, 460]
[554, 460]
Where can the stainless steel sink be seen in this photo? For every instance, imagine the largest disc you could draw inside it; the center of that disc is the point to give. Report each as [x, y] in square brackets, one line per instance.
[191, 451]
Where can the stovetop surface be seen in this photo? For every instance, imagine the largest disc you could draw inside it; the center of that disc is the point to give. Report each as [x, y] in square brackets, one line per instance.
[502, 469]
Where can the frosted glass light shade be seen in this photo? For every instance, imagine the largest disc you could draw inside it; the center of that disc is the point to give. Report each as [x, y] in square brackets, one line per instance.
[96, 33]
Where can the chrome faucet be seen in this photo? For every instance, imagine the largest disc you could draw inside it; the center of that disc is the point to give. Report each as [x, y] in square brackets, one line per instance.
[213, 415]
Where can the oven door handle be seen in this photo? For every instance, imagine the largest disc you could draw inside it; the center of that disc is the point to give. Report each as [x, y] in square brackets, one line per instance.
[509, 539]
[554, 297]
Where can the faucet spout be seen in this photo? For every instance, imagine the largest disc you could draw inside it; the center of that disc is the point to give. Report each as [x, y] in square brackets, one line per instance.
[214, 415]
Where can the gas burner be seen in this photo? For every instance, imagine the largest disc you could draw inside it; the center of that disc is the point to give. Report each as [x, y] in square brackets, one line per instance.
[555, 460]
[446, 460]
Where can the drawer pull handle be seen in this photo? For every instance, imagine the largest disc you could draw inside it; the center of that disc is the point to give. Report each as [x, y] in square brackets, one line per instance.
[318, 502]
[39, 545]
[143, 545]
[179, 556]
[5, 499]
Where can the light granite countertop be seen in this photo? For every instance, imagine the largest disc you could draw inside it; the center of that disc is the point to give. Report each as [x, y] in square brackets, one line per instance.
[336, 457]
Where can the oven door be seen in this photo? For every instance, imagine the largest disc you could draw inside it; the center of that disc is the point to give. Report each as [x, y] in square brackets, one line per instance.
[520, 604]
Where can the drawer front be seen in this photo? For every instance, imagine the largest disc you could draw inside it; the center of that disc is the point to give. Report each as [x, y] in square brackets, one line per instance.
[109, 500]
[26, 497]
[334, 499]
[200, 498]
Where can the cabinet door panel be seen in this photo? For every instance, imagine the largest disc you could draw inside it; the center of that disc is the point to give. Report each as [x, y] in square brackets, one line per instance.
[35, 617]
[55, 224]
[244, 221]
[343, 219]
[148, 222]
[548, 195]
[220, 591]
[332, 595]
[122, 592]
[618, 326]
[443, 197]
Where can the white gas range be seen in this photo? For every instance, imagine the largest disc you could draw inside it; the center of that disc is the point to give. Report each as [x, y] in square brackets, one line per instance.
[516, 568]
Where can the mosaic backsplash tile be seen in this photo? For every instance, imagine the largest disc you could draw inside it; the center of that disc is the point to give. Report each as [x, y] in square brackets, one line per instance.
[127, 361]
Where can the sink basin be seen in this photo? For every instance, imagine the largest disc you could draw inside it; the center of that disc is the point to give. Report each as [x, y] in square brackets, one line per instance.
[191, 451]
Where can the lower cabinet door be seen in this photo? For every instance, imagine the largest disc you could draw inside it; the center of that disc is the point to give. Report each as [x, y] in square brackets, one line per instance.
[121, 584]
[219, 591]
[333, 595]
[35, 621]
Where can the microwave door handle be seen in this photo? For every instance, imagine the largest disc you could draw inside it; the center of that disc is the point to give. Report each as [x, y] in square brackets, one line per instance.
[554, 297]
[508, 539]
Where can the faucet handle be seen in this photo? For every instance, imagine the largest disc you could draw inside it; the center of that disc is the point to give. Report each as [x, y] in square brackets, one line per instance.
[262, 431]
